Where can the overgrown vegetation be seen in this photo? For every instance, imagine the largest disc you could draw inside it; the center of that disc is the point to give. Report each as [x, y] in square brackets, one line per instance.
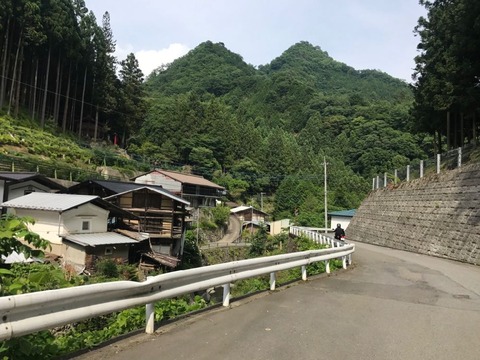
[24, 278]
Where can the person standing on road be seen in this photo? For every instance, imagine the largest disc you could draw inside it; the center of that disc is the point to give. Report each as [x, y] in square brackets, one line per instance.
[339, 232]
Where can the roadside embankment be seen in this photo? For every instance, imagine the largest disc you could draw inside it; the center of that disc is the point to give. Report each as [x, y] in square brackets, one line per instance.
[437, 215]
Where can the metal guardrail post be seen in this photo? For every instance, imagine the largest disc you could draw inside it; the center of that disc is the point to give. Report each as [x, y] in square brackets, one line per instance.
[408, 172]
[439, 157]
[395, 176]
[273, 281]
[150, 318]
[384, 179]
[421, 169]
[459, 157]
[327, 266]
[344, 262]
[373, 184]
[378, 182]
[304, 273]
[226, 295]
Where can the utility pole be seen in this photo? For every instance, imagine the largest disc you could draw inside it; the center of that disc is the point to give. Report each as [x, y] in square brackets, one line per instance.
[325, 181]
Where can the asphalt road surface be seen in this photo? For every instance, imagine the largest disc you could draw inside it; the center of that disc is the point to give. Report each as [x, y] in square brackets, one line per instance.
[389, 305]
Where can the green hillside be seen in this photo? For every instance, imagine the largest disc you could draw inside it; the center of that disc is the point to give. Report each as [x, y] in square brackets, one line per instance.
[269, 129]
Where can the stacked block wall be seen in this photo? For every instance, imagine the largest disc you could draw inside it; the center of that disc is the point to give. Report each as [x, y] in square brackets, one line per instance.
[437, 215]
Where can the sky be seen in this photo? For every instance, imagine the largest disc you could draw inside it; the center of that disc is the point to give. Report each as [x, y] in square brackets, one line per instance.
[364, 34]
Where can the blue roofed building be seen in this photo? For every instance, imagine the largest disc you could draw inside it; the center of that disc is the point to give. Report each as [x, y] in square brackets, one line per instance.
[341, 217]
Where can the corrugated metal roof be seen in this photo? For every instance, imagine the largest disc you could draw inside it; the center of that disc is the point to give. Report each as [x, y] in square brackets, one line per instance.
[346, 213]
[189, 179]
[244, 208]
[48, 201]
[94, 239]
[117, 186]
[240, 208]
[157, 190]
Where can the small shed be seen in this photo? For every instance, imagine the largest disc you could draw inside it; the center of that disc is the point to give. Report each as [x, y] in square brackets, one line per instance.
[342, 217]
[250, 217]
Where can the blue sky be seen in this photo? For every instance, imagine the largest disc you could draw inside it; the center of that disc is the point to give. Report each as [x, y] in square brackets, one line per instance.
[365, 34]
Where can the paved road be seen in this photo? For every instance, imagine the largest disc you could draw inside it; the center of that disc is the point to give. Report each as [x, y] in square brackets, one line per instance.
[389, 305]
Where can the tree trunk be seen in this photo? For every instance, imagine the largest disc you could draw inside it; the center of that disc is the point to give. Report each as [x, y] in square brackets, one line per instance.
[83, 104]
[4, 65]
[14, 77]
[19, 86]
[44, 105]
[35, 92]
[96, 126]
[474, 128]
[57, 89]
[448, 131]
[65, 110]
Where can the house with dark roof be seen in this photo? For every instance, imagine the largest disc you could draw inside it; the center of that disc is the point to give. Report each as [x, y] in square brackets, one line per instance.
[199, 191]
[160, 214]
[105, 188]
[16, 184]
[76, 226]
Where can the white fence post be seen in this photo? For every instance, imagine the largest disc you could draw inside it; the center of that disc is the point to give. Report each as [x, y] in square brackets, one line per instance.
[384, 179]
[459, 157]
[378, 182]
[226, 294]
[438, 163]
[421, 168]
[304, 273]
[150, 318]
[408, 172]
[395, 176]
[273, 281]
[373, 184]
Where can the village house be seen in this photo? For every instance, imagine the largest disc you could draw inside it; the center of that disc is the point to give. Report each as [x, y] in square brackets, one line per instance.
[76, 226]
[16, 184]
[199, 191]
[161, 215]
[250, 218]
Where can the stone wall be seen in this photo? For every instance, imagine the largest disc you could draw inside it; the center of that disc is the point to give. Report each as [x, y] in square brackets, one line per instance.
[437, 215]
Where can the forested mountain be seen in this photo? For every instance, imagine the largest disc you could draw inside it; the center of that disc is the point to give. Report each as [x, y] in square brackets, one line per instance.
[254, 130]
[269, 129]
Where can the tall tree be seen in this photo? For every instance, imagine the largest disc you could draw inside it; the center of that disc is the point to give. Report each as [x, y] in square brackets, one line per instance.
[133, 104]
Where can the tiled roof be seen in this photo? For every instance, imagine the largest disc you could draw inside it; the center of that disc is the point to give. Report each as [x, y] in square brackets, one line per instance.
[24, 176]
[8, 175]
[107, 238]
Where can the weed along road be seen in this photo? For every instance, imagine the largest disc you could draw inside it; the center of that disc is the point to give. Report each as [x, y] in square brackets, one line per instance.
[389, 305]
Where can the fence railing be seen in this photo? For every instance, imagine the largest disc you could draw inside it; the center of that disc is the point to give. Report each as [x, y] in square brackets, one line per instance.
[27, 313]
[418, 169]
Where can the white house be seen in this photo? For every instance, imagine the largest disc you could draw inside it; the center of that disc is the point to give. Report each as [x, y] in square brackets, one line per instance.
[75, 225]
[341, 217]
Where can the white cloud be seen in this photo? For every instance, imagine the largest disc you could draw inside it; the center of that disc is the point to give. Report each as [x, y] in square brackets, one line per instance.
[149, 60]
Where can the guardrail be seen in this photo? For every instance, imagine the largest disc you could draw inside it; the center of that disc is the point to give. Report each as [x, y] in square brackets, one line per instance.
[316, 236]
[27, 313]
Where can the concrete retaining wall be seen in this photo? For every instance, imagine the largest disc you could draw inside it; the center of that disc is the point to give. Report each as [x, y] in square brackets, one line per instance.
[437, 215]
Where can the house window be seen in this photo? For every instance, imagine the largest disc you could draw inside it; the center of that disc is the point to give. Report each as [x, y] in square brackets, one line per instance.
[85, 225]
[108, 251]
